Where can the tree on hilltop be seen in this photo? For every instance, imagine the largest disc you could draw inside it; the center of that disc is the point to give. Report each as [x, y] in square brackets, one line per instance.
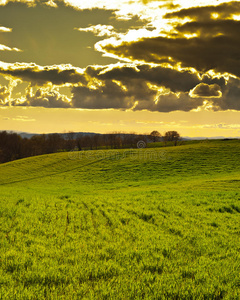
[155, 136]
[172, 136]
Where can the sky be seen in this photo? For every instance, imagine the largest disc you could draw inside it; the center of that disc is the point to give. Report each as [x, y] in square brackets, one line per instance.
[128, 66]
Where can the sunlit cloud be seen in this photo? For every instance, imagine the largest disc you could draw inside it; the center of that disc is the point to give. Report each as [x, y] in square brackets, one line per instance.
[40, 75]
[49, 98]
[5, 29]
[4, 94]
[29, 2]
[23, 119]
[219, 126]
[99, 30]
[51, 3]
[6, 48]
[124, 86]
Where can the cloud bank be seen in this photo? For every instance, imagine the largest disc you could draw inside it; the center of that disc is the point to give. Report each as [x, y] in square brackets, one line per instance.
[124, 87]
[182, 58]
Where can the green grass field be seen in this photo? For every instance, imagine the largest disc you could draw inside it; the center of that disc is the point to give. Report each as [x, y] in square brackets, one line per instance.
[159, 223]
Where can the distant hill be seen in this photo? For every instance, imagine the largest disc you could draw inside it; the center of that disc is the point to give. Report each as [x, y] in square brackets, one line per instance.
[28, 135]
[209, 138]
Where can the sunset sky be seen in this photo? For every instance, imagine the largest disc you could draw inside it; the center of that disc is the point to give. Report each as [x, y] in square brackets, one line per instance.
[110, 65]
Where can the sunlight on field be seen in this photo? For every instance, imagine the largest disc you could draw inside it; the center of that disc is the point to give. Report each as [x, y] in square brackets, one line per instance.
[159, 223]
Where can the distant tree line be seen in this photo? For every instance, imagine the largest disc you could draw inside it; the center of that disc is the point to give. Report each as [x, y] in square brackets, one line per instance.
[13, 146]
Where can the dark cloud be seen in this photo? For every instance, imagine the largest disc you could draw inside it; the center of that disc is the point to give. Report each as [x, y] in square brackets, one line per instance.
[221, 81]
[231, 96]
[207, 42]
[220, 53]
[126, 73]
[127, 86]
[138, 87]
[170, 102]
[214, 43]
[120, 86]
[204, 13]
[203, 90]
[37, 75]
[138, 95]
[210, 28]
[110, 95]
[43, 98]
[175, 80]
[161, 76]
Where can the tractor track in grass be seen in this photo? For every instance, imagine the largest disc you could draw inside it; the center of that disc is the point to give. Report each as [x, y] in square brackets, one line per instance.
[60, 172]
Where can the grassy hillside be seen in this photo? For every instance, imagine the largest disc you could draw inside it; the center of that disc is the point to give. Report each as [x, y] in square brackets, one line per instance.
[159, 223]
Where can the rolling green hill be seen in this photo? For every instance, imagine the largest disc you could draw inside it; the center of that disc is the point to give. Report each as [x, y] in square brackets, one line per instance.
[160, 223]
